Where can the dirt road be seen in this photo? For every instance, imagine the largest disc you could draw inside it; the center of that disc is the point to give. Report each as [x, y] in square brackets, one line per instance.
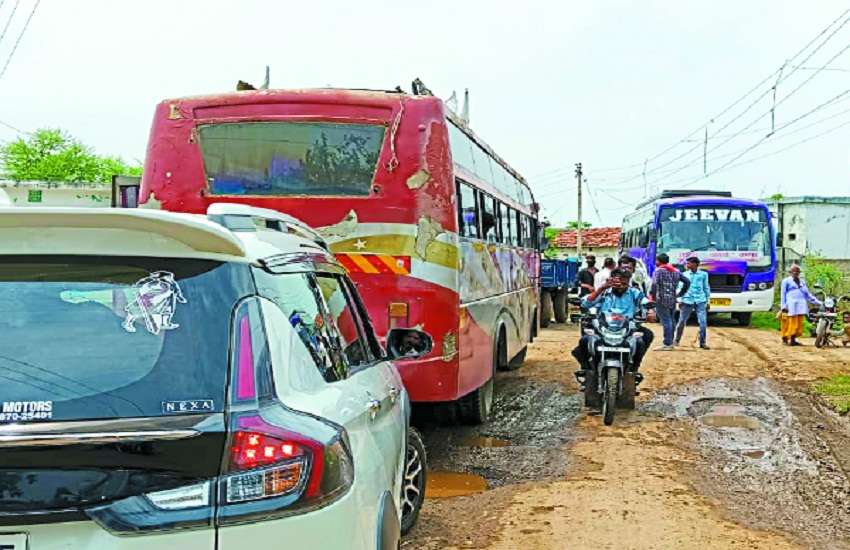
[726, 449]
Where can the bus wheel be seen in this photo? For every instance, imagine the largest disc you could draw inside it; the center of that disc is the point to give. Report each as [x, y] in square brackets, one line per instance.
[545, 308]
[743, 318]
[476, 407]
[560, 305]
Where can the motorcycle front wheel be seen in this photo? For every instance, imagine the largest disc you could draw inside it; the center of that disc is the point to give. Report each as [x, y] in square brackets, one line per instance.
[820, 339]
[609, 398]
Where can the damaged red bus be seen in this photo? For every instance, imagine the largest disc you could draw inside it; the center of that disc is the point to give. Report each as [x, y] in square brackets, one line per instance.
[438, 232]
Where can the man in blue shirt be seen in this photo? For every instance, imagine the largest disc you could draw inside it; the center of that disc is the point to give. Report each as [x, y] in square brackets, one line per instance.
[695, 299]
[614, 295]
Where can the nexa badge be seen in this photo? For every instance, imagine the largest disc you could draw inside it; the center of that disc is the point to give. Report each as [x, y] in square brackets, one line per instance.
[715, 214]
[188, 406]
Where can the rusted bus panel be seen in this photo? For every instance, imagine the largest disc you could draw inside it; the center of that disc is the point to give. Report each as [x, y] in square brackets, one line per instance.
[415, 145]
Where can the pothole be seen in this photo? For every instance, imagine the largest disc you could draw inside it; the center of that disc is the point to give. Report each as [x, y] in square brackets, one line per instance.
[453, 484]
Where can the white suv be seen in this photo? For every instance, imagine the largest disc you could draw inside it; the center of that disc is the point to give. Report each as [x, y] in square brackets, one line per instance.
[194, 382]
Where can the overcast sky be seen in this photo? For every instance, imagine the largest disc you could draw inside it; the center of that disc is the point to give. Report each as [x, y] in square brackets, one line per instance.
[607, 83]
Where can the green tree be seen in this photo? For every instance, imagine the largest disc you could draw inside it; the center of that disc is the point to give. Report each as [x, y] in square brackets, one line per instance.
[53, 155]
[574, 225]
[776, 197]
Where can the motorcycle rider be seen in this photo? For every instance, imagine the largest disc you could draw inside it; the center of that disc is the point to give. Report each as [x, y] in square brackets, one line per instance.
[637, 280]
[616, 294]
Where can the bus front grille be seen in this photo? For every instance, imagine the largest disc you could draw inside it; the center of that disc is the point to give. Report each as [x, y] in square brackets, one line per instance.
[726, 283]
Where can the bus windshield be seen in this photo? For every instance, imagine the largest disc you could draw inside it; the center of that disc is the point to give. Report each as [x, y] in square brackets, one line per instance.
[715, 233]
[290, 158]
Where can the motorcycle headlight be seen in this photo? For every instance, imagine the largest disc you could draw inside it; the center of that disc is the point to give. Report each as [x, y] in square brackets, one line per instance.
[613, 338]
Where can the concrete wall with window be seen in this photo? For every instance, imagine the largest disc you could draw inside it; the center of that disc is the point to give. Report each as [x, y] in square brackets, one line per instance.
[814, 225]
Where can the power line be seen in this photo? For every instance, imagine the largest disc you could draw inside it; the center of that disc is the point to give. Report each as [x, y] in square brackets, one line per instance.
[781, 75]
[20, 36]
[9, 21]
[823, 105]
[7, 125]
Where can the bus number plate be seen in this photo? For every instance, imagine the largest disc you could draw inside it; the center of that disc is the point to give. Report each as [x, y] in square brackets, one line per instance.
[721, 301]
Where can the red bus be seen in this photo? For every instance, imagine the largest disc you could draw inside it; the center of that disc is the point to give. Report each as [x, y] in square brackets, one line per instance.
[438, 232]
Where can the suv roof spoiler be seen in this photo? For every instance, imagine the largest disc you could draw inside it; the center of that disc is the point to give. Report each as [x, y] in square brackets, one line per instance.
[234, 217]
[112, 231]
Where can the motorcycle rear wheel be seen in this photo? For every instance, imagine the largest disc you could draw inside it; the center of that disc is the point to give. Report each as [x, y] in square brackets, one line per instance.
[609, 399]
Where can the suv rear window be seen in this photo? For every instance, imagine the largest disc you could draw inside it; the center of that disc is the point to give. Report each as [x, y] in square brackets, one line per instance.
[93, 338]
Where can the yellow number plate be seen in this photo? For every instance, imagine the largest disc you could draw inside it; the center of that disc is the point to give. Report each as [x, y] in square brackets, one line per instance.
[721, 301]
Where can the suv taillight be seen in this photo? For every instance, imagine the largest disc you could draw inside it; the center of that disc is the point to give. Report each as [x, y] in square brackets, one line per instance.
[272, 471]
[275, 462]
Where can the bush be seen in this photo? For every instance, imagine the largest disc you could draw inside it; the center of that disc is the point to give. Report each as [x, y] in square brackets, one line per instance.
[820, 272]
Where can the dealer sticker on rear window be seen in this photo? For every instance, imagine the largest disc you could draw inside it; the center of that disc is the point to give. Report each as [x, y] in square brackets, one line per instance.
[25, 411]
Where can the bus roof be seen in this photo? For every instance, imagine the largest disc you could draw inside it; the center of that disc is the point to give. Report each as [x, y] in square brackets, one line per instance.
[697, 197]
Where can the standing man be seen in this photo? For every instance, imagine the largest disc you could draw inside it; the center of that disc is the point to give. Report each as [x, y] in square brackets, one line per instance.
[586, 275]
[604, 274]
[665, 280]
[794, 299]
[696, 299]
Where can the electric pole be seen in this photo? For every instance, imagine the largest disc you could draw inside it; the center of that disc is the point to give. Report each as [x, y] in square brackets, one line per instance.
[579, 225]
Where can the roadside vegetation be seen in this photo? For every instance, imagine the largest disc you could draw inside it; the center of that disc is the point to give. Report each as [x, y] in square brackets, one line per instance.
[836, 391]
[53, 155]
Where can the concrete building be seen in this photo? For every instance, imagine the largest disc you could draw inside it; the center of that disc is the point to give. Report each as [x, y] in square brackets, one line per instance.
[813, 225]
[602, 242]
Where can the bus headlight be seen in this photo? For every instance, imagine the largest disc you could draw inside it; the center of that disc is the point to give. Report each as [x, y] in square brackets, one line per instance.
[751, 286]
[762, 286]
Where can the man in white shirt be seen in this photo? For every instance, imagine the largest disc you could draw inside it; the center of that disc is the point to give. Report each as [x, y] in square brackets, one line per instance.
[604, 274]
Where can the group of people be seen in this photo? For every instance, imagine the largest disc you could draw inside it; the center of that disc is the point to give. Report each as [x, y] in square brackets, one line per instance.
[668, 288]
[624, 290]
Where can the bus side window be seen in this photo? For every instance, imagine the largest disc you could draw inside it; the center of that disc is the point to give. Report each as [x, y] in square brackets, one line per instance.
[644, 237]
[522, 229]
[489, 232]
[467, 211]
[508, 224]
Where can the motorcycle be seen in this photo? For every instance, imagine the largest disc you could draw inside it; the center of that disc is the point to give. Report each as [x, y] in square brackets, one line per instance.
[612, 380]
[825, 322]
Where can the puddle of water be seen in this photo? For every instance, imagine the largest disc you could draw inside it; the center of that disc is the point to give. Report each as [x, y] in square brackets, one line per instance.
[452, 484]
[484, 441]
[730, 421]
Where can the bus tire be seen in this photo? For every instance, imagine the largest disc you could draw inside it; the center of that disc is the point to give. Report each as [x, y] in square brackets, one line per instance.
[476, 407]
[743, 318]
[545, 308]
[560, 305]
[533, 326]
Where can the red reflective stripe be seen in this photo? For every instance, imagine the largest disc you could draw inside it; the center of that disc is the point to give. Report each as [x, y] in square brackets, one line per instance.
[346, 262]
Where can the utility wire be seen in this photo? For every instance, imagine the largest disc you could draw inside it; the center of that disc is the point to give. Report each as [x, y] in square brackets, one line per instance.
[782, 77]
[9, 21]
[20, 36]
[7, 125]
[760, 117]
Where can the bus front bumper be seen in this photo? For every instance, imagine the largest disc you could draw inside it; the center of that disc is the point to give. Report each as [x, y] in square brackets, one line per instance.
[748, 301]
